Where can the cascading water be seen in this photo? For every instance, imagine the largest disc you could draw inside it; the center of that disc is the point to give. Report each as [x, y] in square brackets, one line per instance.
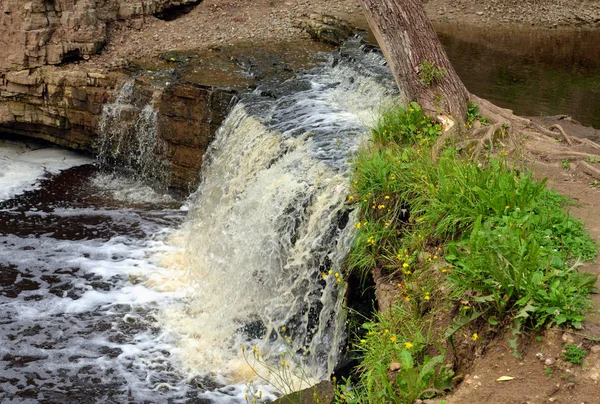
[128, 131]
[94, 308]
[268, 224]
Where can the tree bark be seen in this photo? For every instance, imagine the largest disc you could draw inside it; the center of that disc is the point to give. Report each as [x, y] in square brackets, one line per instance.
[409, 42]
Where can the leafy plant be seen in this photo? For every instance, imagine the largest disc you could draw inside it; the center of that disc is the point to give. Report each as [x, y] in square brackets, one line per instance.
[566, 163]
[406, 126]
[512, 253]
[395, 368]
[430, 73]
[574, 354]
[474, 115]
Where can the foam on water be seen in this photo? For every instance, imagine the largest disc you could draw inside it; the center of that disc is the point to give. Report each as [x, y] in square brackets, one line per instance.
[23, 165]
[268, 221]
[129, 190]
[77, 322]
[106, 297]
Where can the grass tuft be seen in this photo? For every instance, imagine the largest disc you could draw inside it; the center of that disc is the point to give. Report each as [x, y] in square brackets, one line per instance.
[478, 236]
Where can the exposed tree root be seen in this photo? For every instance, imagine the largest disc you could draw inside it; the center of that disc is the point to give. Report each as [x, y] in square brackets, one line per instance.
[589, 169]
[571, 155]
[508, 130]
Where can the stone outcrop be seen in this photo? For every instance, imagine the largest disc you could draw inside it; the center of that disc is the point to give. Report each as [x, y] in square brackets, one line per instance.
[35, 33]
[63, 104]
[327, 29]
[64, 107]
[43, 95]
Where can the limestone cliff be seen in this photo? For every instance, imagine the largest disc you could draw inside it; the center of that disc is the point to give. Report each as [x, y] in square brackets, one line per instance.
[35, 33]
[43, 97]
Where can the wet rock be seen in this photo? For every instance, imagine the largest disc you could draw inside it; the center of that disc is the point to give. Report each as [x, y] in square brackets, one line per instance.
[323, 391]
[327, 29]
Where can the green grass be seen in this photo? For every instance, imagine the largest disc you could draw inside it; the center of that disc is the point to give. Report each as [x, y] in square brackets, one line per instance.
[395, 367]
[574, 354]
[490, 236]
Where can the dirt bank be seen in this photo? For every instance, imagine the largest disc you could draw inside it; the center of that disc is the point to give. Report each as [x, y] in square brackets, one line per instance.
[216, 23]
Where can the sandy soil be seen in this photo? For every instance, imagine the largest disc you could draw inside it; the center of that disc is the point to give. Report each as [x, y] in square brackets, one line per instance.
[541, 13]
[215, 23]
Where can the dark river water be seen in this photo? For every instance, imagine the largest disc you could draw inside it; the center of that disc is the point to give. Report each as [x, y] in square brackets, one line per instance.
[532, 71]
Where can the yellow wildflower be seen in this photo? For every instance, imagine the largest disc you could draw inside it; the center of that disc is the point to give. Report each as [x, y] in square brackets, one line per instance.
[380, 207]
[393, 338]
[474, 337]
[350, 198]
[324, 276]
[427, 296]
[406, 299]
[405, 265]
[387, 197]
[386, 331]
[283, 328]
[408, 345]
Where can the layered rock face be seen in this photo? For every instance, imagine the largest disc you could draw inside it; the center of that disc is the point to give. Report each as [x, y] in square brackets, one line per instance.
[63, 104]
[35, 33]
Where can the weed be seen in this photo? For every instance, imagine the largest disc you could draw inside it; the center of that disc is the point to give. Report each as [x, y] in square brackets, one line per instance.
[593, 160]
[430, 73]
[548, 371]
[574, 354]
[474, 115]
[511, 253]
[566, 163]
[288, 375]
[406, 127]
[394, 366]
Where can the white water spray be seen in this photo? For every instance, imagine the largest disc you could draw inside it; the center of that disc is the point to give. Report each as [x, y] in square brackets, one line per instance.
[129, 135]
[268, 221]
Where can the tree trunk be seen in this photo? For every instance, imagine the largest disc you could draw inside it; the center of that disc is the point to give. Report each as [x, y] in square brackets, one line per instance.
[416, 57]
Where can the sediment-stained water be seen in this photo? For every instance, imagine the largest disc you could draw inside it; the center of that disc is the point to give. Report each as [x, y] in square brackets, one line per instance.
[113, 292]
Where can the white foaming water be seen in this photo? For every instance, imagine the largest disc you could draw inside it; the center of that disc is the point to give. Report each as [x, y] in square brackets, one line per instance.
[24, 164]
[95, 302]
[129, 190]
[77, 324]
[268, 220]
[129, 135]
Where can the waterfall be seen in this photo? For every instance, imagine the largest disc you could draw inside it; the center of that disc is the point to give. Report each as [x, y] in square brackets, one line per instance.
[269, 221]
[128, 131]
